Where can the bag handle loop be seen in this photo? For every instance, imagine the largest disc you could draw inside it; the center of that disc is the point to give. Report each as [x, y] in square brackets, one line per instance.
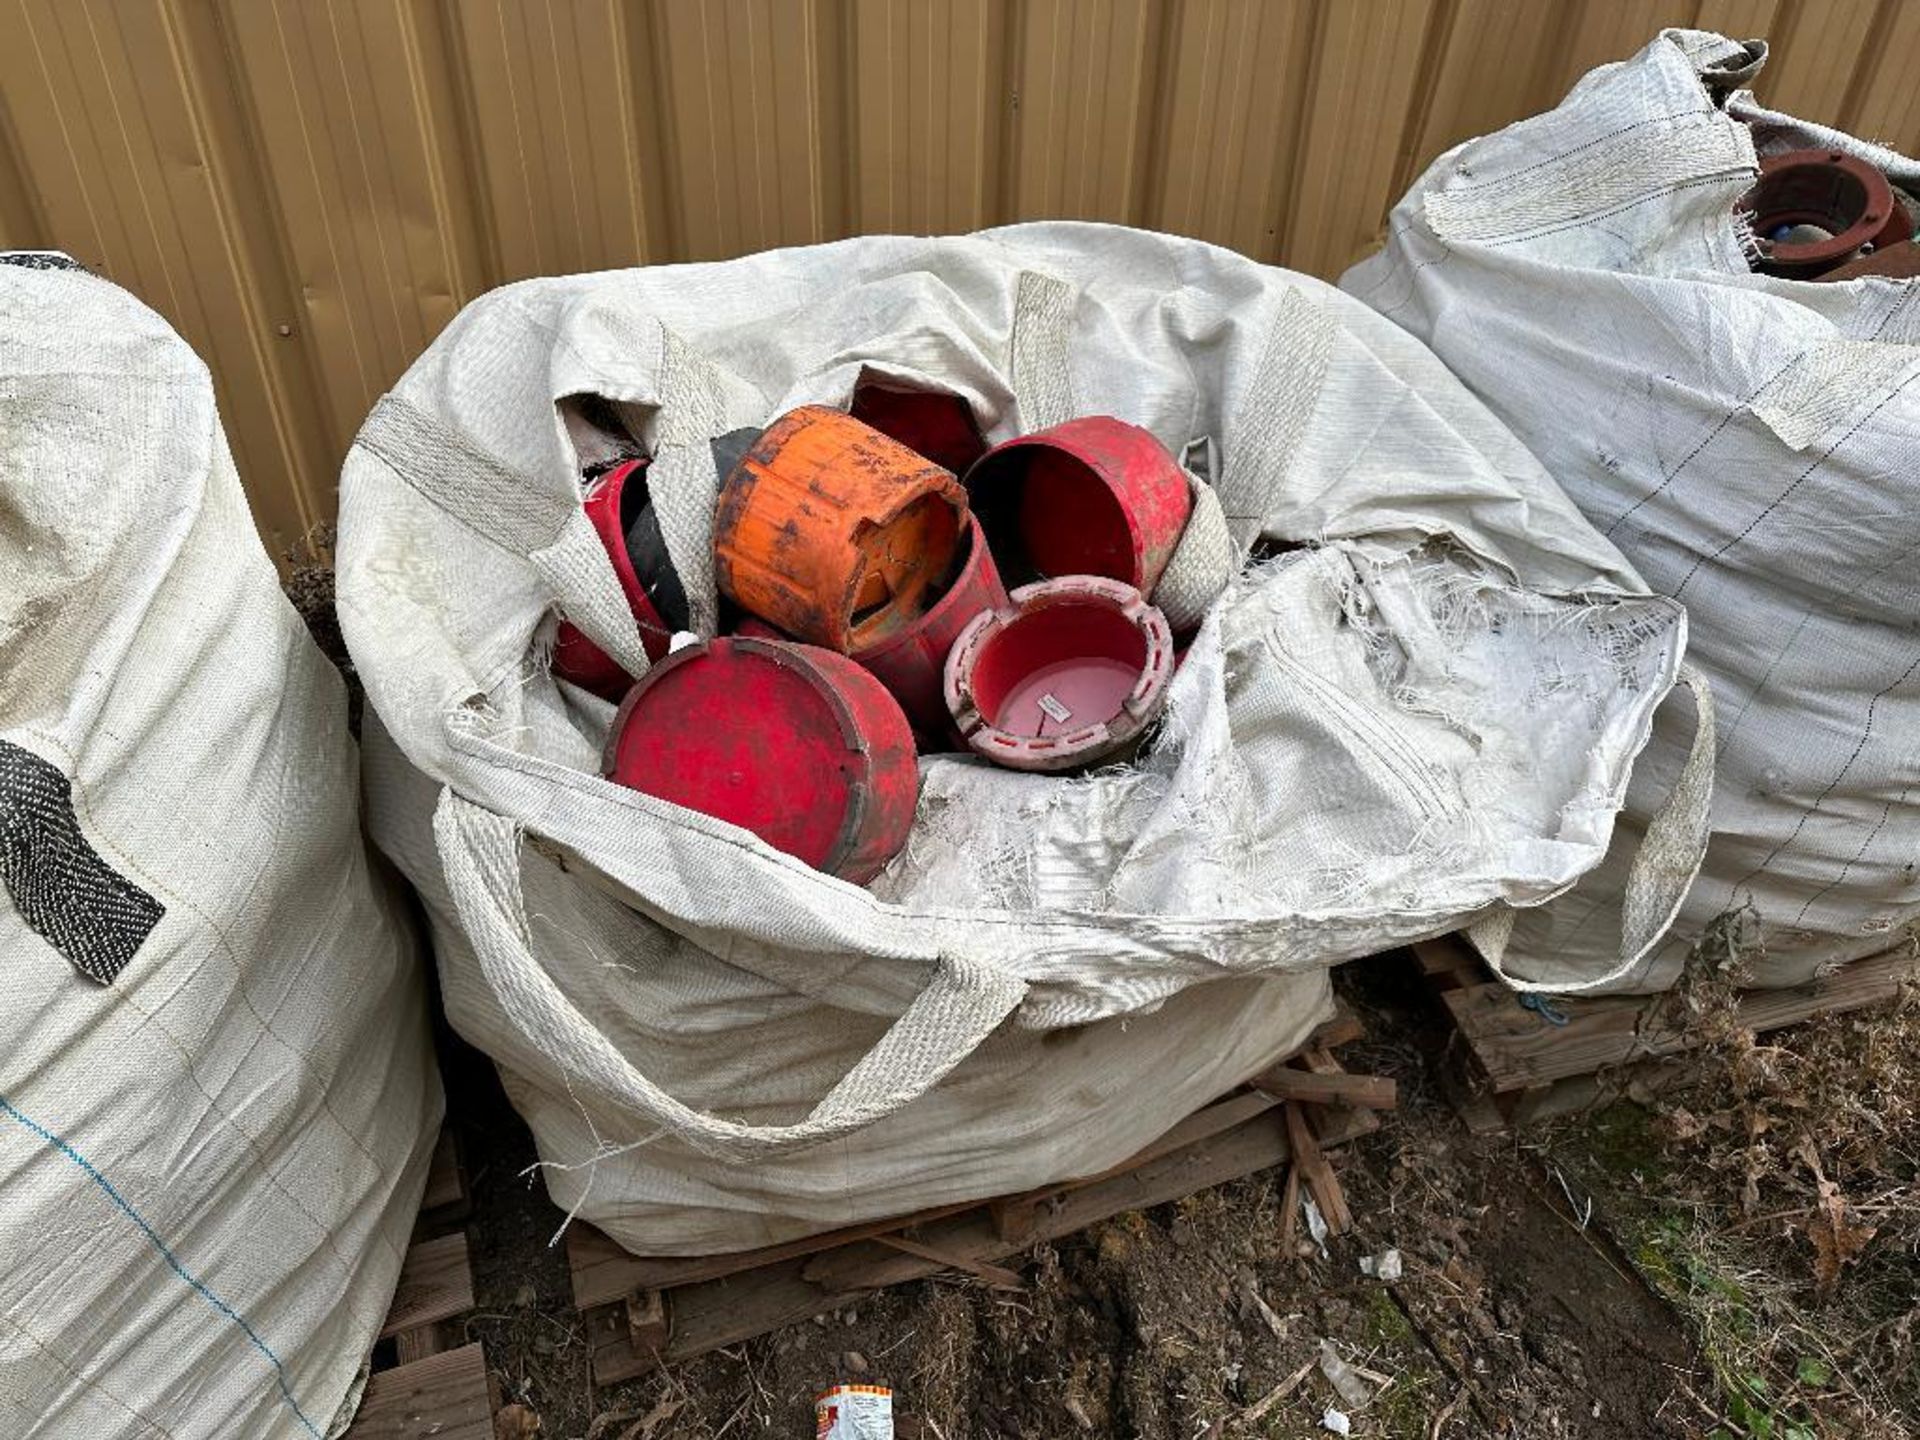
[1663, 869]
[960, 1007]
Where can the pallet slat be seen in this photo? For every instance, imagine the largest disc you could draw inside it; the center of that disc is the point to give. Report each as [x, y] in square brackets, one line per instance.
[446, 1183]
[644, 1312]
[1518, 1065]
[436, 1283]
[1369, 1092]
[444, 1397]
[1521, 1048]
[722, 1311]
[1315, 1172]
[603, 1272]
[738, 1307]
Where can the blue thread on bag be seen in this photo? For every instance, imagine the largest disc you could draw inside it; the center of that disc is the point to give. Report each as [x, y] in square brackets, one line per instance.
[106, 1186]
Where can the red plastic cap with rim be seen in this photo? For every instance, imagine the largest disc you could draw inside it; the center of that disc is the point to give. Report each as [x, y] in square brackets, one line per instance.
[1070, 672]
[932, 423]
[1845, 202]
[1095, 496]
[611, 503]
[793, 742]
[912, 664]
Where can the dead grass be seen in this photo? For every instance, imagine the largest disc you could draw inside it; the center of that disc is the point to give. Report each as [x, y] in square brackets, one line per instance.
[1775, 1201]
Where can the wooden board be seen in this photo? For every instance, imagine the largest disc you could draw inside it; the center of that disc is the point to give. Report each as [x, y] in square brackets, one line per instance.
[444, 1396]
[1513, 1064]
[642, 1312]
[603, 1272]
[706, 1314]
[436, 1283]
[446, 1193]
[1370, 1092]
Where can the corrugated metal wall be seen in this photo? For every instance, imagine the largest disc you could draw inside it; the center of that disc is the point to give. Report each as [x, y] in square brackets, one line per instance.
[308, 189]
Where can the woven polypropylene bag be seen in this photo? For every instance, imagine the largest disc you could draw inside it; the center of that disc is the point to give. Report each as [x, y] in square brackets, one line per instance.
[1748, 442]
[1421, 705]
[217, 1096]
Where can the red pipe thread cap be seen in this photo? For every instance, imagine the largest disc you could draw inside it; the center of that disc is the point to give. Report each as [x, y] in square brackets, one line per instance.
[795, 743]
[752, 627]
[1094, 496]
[612, 504]
[932, 423]
[1069, 672]
[1831, 191]
[913, 663]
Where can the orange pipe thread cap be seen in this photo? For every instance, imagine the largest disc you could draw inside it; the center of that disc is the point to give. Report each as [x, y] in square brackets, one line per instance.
[834, 533]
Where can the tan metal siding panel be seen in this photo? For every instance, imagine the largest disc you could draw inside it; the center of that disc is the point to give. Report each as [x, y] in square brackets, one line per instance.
[1365, 69]
[1742, 19]
[741, 86]
[928, 90]
[113, 107]
[1499, 60]
[309, 189]
[1235, 84]
[1602, 32]
[379, 244]
[1084, 81]
[1820, 45]
[261, 361]
[21, 225]
[554, 119]
[1885, 102]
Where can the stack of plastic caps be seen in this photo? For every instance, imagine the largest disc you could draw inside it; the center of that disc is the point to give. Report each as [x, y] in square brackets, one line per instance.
[873, 619]
[1072, 669]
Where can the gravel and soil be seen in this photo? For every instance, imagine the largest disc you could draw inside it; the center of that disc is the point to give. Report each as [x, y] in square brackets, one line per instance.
[1592, 1280]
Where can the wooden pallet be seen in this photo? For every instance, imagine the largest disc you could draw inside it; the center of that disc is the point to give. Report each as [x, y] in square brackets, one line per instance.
[425, 1382]
[643, 1313]
[1510, 1063]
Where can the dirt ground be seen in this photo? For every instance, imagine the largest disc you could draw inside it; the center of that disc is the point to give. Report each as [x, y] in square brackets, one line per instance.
[1516, 1314]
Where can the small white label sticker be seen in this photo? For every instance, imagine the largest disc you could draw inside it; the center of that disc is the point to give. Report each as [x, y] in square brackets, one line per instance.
[1051, 704]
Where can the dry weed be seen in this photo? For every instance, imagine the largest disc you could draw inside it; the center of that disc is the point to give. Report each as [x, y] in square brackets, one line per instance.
[1783, 1182]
